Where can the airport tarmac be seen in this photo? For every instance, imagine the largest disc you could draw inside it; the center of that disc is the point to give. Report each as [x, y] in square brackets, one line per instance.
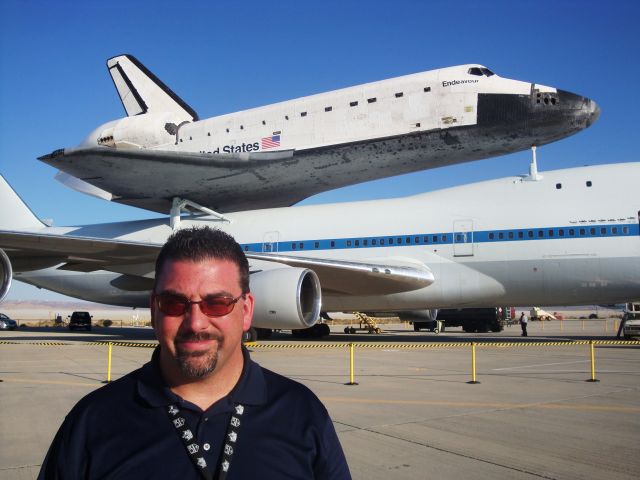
[412, 414]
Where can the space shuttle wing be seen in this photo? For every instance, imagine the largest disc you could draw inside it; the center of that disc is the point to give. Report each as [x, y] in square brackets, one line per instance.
[124, 176]
[394, 275]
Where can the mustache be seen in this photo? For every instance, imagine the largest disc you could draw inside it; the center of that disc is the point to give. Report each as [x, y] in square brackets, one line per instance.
[195, 337]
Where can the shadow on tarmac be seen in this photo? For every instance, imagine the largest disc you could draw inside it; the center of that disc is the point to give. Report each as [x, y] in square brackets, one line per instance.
[61, 334]
[406, 336]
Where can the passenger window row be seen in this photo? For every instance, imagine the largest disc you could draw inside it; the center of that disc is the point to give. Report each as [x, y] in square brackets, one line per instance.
[558, 232]
[443, 238]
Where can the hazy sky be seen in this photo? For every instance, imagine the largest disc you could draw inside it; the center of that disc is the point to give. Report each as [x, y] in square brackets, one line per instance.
[226, 56]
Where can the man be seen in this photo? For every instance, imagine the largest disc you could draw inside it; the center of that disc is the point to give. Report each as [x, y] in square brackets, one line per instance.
[201, 408]
[524, 320]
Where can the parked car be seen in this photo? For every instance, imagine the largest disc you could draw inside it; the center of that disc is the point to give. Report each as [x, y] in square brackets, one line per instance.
[6, 323]
[80, 320]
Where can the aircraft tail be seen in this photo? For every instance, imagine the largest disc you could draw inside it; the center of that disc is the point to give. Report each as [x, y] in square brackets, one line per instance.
[141, 91]
[15, 214]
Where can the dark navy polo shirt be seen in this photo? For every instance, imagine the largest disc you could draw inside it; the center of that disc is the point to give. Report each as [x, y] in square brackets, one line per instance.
[123, 431]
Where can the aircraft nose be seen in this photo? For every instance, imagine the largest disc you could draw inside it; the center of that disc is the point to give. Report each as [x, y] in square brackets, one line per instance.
[595, 112]
[583, 109]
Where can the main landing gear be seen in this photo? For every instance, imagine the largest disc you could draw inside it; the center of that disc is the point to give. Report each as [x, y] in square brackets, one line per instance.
[319, 330]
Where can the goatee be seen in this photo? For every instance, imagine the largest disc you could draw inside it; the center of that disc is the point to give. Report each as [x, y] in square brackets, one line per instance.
[200, 363]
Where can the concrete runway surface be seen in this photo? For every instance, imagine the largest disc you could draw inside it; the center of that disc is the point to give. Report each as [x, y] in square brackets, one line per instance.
[412, 415]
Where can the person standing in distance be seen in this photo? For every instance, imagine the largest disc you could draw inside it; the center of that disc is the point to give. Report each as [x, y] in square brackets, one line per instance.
[201, 408]
[524, 320]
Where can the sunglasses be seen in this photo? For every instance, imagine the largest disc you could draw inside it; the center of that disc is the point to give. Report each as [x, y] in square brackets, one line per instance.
[213, 306]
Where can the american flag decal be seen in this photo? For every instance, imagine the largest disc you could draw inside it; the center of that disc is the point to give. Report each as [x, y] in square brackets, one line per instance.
[270, 142]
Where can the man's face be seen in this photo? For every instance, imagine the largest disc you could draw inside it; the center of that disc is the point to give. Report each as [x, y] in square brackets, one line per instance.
[195, 343]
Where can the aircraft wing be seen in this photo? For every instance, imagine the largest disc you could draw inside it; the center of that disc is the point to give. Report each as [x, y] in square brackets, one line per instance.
[222, 182]
[30, 251]
[358, 278]
[33, 251]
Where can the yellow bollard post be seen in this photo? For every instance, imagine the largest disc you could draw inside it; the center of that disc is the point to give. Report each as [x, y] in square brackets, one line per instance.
[605, 325]
[351, 379]
[593, 362]
[562, 325]
[473, 364]
[582, 325]
[615, 325]
[108, 380]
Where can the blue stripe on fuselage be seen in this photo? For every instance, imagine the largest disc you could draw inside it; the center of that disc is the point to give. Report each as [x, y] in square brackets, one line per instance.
[450, 238]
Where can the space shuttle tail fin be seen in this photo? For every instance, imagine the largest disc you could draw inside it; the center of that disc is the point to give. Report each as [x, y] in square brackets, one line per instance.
[142, 92]
[15, 214]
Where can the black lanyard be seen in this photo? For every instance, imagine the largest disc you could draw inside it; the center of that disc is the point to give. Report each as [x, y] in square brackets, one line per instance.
[194, 448]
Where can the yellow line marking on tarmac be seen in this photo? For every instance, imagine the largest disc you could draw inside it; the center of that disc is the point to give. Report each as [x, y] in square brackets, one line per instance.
[540, 365]
[51, 382]
[437, 403]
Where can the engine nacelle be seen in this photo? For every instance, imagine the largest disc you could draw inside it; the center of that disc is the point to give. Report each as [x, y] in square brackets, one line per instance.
[429, 315]
[287, 298]
[6, 273]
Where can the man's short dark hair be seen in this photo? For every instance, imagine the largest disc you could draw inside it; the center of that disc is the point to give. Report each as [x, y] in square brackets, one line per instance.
[204, 243]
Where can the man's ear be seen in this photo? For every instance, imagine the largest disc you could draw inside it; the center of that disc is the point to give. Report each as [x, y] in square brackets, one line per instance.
[152, 307]
[247, 311]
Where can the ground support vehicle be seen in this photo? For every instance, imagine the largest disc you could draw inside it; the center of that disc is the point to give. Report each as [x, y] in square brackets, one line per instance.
[631, 320]
[366, 324]
[80, 320]
[470, 319]
[537, 313]
[6, 323]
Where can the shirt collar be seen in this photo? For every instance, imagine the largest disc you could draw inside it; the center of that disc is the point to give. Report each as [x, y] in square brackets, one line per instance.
[251, 388]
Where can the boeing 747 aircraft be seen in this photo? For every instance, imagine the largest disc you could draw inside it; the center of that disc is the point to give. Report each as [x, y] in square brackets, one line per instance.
[566, 237]
[279, 154]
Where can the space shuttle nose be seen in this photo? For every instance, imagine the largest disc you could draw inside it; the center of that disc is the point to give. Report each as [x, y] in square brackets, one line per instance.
[583, 109]
[595, 113]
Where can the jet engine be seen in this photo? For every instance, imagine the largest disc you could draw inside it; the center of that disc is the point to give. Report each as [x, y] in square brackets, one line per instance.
[6, 272]
[286, 298]
[428, 315]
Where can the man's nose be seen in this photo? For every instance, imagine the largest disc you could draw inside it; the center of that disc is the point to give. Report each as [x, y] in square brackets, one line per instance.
[195, 319]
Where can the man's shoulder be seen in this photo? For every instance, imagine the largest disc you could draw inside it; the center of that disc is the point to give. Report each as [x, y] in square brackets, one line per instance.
[279, 381]
[105, 396]
[279, 385]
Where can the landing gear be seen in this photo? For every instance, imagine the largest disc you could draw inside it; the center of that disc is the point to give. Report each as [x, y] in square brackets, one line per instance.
[264, 333]
[435, 326]
[319, 330]
[250, 335]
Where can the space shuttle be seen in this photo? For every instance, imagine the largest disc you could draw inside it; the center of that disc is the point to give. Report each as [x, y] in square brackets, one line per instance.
[162, 157]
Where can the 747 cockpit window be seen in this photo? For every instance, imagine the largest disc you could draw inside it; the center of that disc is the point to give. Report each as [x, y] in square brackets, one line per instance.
[480, 71]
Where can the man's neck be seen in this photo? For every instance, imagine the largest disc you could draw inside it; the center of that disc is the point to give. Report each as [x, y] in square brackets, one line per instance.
[207, 390]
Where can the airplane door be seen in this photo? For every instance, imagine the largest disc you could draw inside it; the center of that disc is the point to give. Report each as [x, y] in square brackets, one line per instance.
[463, 238]
[270, 241]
